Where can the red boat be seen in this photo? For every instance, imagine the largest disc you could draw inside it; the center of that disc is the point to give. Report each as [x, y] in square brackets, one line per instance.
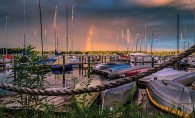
[124, 56]
[134, 72]
[9, 56]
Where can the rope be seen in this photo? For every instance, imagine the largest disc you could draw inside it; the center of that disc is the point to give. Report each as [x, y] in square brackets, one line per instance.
[99, 88]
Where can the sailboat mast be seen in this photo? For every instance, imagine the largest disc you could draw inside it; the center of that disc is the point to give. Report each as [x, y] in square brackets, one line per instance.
[41, 29]
[145, 38]
[152, 41]
[194, 26]
[24, 46]
[72, 24]
[6, 35]
[178, 34]
[117, 42]
[55, 25]
[122, 39]
[2, 42]
[67, 28]
[91, 40]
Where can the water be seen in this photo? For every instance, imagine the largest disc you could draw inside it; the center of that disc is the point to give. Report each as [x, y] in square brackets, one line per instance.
[53, 79]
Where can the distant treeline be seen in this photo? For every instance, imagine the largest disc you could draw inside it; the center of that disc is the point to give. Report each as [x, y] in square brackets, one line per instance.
[19, 50]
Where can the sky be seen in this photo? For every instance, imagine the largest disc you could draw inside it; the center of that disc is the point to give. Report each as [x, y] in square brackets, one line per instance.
[98, 25]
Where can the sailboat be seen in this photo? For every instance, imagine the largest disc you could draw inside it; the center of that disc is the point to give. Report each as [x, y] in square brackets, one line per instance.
[61, 63]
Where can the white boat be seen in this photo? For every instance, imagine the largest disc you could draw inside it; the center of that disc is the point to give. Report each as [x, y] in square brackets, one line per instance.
[110, 98]
[171, 96]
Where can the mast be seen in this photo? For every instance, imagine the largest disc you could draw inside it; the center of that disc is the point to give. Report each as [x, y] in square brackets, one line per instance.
[188, 41]
[145, 38]
[178, 34]
[122, 39]
[46, 45]
[91, 40]
[72, 24]
[194, 26]
[54, 26]
[24, 23]
[152, 41]
[137, 42]
[185, 39]
[117, 42]
[128, 36]
[41, 30]
[67, 28]
[2, 42]
[6, 36]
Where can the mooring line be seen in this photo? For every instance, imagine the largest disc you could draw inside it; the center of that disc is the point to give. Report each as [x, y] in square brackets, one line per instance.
[99, 88]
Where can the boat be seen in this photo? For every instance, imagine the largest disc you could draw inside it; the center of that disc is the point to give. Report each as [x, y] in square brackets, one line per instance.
[86, 99]
[123, 71]
[181, 76]
[58, 64]
[136, 71]
[107, 65]
[111, 98]
[171, 96]
[119, 67]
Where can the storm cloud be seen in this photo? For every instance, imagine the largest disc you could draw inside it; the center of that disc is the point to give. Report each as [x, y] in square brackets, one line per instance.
[105, 16]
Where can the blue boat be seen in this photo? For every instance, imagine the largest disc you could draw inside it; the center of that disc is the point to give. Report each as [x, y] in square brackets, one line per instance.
[60, 67]
[102, 66]
[119, 67]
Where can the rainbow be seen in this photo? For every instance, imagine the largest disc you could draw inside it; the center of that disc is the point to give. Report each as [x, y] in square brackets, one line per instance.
[89, 38]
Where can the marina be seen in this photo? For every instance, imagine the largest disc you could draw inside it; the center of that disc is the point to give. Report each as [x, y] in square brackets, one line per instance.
[105, 59]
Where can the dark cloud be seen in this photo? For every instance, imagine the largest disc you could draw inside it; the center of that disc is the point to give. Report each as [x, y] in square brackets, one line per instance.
[106, 16]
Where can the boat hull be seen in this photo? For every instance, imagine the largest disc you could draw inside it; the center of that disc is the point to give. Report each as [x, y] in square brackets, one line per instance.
[134, 72]
[117, 96]
[170, 96]
[60, 67]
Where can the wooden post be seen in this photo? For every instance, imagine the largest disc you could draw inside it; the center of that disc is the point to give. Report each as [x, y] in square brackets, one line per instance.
[117, 58]
[164, 58]
[176, 65]
[85, 60]
[88, 73]
[130, 59]
[82, 65]
[142, 60]
[63, 65]
[95, 61]
[152, 61]
[79, 64]
[99, 58]
[104, 58]
[135, 61]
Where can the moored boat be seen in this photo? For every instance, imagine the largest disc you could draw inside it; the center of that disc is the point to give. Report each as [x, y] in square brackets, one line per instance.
[136, 71]
[86, 99]
[170, 96]
[119, 67]
[123, 71]
[110, 98]
[101, 66]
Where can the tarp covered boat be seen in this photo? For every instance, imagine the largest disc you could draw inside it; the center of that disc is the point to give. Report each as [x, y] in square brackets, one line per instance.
[117, 96]
[136, 71]
[182, 77]
[123, 71]
[171, 96]
[119, 67]
[86, 99]
[101, 66]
